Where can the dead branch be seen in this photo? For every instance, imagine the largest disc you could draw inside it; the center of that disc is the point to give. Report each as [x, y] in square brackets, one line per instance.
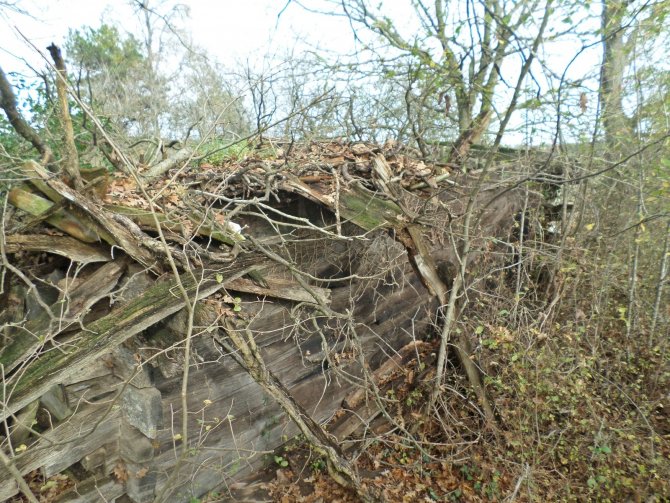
[8, 104]
[419, 253]
[71, 165]
[181, 156]
[124, 235]
[18, 478]
[246, 353]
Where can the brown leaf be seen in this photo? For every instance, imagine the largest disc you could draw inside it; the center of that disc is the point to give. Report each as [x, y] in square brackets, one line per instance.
[141, 473]
[583, 102]
[120, 472]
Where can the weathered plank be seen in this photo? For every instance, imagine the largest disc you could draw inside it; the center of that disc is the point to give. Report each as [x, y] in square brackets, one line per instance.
[60, 219]
[360, 205]
[32, 336]
[109, 331]
[94, 490]
[278, 288]
[66, 444]
[71, 248]
[244, 423]
[200, 226]
[123, 234]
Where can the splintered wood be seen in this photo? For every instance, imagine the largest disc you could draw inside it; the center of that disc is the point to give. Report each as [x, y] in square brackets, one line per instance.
[279, 284]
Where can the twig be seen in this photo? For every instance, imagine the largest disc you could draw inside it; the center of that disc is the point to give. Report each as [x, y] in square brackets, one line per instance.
[16, 474]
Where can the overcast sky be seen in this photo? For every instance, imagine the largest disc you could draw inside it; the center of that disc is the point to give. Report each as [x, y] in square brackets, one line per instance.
[230, 31]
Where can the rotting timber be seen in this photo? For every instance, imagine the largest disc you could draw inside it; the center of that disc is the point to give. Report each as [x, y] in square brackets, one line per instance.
[295, 277]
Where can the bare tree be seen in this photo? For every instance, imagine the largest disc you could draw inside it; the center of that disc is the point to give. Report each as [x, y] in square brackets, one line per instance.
[460, 48]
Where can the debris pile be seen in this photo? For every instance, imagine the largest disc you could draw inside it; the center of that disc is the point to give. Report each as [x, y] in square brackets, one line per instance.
[163, 334]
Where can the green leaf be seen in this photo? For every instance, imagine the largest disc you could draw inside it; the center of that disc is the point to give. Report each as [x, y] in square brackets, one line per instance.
[281, 461]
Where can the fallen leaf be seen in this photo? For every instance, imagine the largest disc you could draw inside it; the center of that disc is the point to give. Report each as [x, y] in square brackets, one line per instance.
[120, 472]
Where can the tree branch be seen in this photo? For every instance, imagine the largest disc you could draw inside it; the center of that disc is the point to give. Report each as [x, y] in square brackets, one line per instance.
[71, 166]
[8, 104]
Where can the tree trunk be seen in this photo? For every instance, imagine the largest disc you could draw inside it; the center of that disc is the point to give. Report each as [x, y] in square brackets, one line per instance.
[469, 136]
[612, 72]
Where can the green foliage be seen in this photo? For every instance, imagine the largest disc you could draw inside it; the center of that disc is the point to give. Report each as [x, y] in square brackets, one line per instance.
[103, 49]
[319, 465]
[38, 108]
[560, 386]
[218, 151]
[32, 104]
[237, 306]
[281, 461]
[116, 79]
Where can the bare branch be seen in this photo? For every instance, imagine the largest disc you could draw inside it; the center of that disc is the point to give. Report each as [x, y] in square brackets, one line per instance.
[8, 104]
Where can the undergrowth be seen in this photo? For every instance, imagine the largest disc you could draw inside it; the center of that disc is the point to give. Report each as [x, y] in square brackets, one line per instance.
[582, 406]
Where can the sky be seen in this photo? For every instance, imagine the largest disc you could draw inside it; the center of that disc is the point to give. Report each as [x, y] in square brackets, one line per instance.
[234, 32]
[230, 30]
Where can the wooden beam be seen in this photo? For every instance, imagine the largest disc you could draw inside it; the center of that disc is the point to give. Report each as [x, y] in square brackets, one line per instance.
[104, 334]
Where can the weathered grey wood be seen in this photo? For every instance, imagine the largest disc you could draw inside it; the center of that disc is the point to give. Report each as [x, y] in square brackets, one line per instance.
[142, 409]
[94, 490]
[103, 460]
[55, 402]
[73, 303]
[94, 288]
[124, 235]
[106, 333]
[233, 423]
[181, 156]
[125, 366]
[201, 226]
[259, 424]
[97, 389]
[8, 488]
[68, 247]
[78, 438]
[94, 460]
[66, 444]
[23, 423]
[134, 446]
[140, 487]
[278, 288]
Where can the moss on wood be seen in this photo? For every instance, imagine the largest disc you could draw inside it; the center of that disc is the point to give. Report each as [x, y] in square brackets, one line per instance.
[157, 302]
